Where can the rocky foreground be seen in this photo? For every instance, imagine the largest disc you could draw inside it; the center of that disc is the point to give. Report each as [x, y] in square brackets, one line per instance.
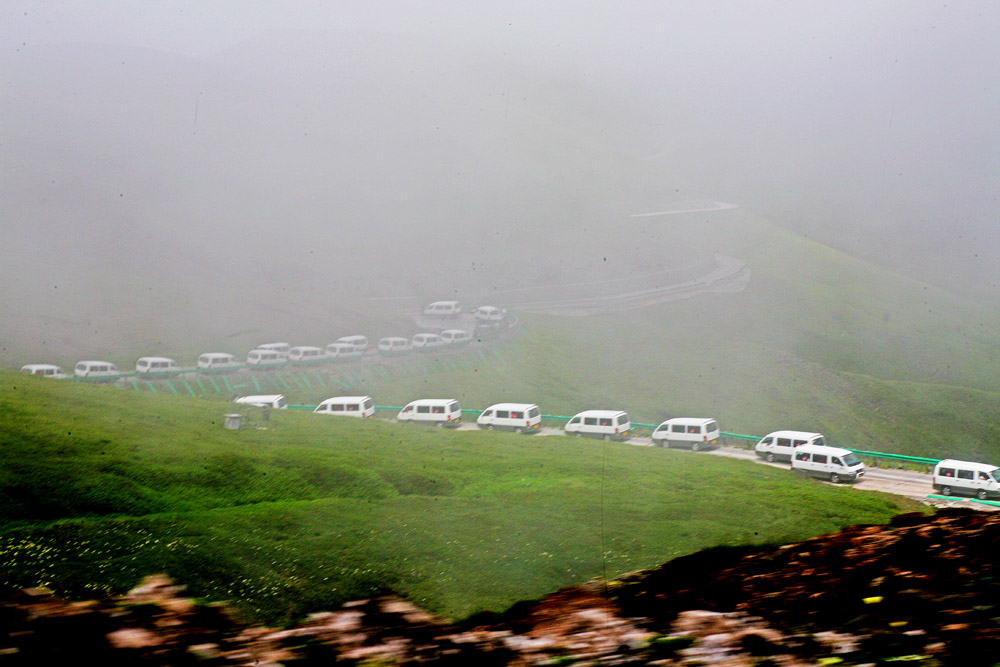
[922, 589]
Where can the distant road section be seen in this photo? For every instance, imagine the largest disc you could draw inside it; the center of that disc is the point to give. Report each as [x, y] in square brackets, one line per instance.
[711, 206]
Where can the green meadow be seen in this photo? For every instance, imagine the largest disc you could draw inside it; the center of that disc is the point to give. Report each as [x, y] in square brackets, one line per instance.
[100, 486]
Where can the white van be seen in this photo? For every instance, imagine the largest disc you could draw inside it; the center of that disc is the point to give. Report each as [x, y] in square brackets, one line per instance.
[280, 348]
[154, 365]
[360, 343]
[342, 351]
[306, 353]
[489, 314]
[518, 417]
[455, 336]
[954, 478]
[266, 358]
[276, 401]
[443, 309]
[393, 344]
[45, 370]
[832, 463]
[348, 406]
[778, 446]
[607, 424]
[215, 361]
[437, 411]
[423, 341]
[695, 433]
[95, 369]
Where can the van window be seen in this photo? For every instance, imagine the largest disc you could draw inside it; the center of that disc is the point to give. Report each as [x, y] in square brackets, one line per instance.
[996, 474]
[677, 428]
[503, 414]
[946, 472]
[352, 407]
[81, 367]
[819, 458]
[517, 415]
[694, 429]
[590, 421]
[784, 442]
[488, 413]
[438, 409]
[802, 456]
[622, 419]
[965, 474]
[661, 428]
[711, 426]
[453, 407]
[799, 443]
[852, 459]
[369, 404]
[836, 461]
[337, 408]
[983, 477]
[424, 409]
[767, 441]
[533, 412]
[605, 421]
[574, 420]
[408, 408]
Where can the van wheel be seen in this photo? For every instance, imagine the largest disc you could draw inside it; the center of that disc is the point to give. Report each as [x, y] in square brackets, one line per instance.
[769, 457]
[981, 494]
[945, 490]
[519, 431]
[834, 478]
[695, 446]
[439, 424]
[579, 434]
[490, 427]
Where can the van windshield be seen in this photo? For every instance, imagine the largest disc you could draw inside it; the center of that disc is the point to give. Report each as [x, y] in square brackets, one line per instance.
[995, 474]
[851, 459]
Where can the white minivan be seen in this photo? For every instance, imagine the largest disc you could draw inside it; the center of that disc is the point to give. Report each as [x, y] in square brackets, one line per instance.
[607, 424]
[301, 353]
[423, 341]
[342, 351]
[280, 348]
[95, 369]
[217, 361]
[443, 309]
[155, 365]
[518, 417]
[276, 401]
[436, 411]
[393, 344]
[832, 463]
[778, 446]
[694, 433]
[45, 370]
[455, 336]
[360, 343]
[261, 357]
[348, 406]
[954, 478]
[489, 314]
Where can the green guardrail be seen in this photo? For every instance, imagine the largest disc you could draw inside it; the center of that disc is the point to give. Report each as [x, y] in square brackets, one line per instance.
[992, 503]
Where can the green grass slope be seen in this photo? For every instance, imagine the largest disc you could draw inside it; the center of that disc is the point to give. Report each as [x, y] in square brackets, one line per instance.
[101, 485]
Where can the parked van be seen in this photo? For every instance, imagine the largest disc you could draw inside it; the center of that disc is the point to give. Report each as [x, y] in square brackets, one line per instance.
[306, 353]
[455, 336]
[436, 411]
[266, 358]
[348, 406]
[778, 446]
[955, 478]
[393, 344]
[360, 343]
[694, 433]
[489, 314]
[342, 351]
[276, 401]
[95, 369]
[607, 424]
[216, 361]
[155, 365]
[280, 348]
[443, 309]
[518, 417]
[832, 463]
[427, 340]
[45, 370]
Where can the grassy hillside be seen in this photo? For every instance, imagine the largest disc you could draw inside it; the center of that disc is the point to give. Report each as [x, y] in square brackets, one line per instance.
[101, 486]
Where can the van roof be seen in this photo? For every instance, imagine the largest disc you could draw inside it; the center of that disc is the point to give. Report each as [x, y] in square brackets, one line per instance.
[260, 397]
[443, 303]
[820, 449]
[347, 339]
[511, 406]
[303, 348]
[38, 367]
[155, 359]
[456, 331]
[217, 354]
[689, 420]
[792, 434]
[388, 339]
[344, 399]
[601, 413]
[93, 361]
[429, 401]
[969, 464]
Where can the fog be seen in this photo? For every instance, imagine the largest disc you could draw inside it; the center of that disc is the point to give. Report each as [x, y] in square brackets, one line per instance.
[180, 166]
